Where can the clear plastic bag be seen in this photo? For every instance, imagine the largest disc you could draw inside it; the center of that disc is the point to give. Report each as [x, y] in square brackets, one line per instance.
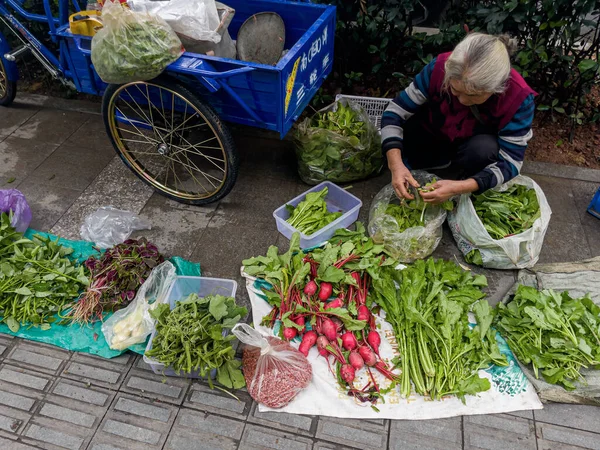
[515, 252]
[133, 324]
[275, 372]
[226, 48]
[108, 226]
[13, 201]
[413, 243]
[326, 155]
[132, 46]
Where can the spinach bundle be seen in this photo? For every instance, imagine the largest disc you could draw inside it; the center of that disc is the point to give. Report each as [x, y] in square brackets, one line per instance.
[37, 280]
[554, 333]
[190, 337]
[339, 144]
[440, 354]
[509, 212]
[311, 214]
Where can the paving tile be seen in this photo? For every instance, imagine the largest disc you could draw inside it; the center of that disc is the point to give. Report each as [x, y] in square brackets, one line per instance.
[6, 343]
[319, 445]
[201, 397]
[552, 437]
[51, 126]
[72, 166]
[442, 434]
[53, 438]
[92, 134]
[115, 186]
[11, 375]
[134, 423]
[12, 118]
[563, 242]
[157, 387]
[292, 423]
[256, 437]
[108, 373]
[583, 193]
[193, 430]
[560, 197]
[38, 357]
[498, 431]
[522, 414]
[353, 433]
[582, 417]
[179, 234]
[20, 157]
[80, 392]
[592, 234]
[7, 444]
[561, 171]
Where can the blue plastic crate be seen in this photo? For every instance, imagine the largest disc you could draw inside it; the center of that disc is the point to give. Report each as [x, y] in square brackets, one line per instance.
[181, 288]
[338, 200]
[594, 208]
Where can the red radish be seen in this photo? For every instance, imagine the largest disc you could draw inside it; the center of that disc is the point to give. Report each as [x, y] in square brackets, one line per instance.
[356, 360]
[311, 288]
[363, 313]
[329, 330]
[347, 373]
[308, 341]
[368, 355]
[322, 343]
[337, 303]
[338, 324]
[349, 341]
[325, 291]
[300, 321]
[289, 333]
[374, 341]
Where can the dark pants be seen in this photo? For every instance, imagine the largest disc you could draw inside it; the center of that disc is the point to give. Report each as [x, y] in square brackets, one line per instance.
[456, 160]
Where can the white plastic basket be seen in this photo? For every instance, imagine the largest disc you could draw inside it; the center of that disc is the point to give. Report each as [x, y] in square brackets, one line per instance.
[372, 105]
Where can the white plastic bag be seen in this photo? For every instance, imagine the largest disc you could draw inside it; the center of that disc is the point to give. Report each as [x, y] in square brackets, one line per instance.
[515, 252]
[413, 243]
[108, 226]
[133, 324]
[194, 19]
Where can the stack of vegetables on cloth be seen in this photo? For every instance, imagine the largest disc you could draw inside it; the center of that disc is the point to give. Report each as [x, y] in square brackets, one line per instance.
[408, 229]
[378, 334]
[339, 144]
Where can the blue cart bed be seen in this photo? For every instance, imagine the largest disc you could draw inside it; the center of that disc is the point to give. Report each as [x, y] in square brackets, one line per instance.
[269, 97]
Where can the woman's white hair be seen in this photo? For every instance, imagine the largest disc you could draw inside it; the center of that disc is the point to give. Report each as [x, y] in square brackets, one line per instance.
[481, 62]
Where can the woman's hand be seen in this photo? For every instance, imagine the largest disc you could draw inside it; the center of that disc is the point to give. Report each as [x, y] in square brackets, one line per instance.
[402, 179]
[445, 189]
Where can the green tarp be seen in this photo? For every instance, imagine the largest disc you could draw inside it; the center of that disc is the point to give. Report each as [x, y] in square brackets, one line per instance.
[89, 338]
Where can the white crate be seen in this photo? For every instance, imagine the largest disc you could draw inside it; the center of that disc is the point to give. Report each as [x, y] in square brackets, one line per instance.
[372, 105]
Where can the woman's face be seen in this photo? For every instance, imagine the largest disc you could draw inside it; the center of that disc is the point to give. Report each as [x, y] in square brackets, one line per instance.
[465, 97]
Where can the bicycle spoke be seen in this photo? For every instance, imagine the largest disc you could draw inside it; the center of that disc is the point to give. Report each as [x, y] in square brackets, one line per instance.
[133, 125]
[192, 174]
[137, 134]
[204, 156]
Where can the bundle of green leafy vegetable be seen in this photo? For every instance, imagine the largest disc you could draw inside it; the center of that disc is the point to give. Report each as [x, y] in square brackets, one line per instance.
[440, 354]
[554, 333]
[132, 46]
[311, 214]
[509, 212]
[37, 280]
[190, 337]
[338, 145]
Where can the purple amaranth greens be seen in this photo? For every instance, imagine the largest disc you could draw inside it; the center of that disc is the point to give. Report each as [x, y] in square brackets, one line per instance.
[115, 278]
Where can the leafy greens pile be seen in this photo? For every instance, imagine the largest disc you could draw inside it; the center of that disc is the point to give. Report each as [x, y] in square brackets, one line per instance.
[311, 214]
[556, 334]
[509, 212]
[37, 280]
[440, 353]
[190, 337]
[339, 146]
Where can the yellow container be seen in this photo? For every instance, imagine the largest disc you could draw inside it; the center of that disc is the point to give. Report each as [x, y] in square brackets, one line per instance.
[85, 23]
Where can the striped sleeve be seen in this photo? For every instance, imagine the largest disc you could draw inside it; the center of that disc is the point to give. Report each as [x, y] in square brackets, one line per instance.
[512, 140]
[403, 107]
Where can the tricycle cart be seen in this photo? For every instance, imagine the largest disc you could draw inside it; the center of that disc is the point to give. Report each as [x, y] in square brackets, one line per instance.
[169, 131]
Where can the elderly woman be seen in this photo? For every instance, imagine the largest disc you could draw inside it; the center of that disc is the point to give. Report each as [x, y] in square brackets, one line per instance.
[466, 117]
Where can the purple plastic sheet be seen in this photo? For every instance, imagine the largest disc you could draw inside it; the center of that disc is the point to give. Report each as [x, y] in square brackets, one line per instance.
[13, 200]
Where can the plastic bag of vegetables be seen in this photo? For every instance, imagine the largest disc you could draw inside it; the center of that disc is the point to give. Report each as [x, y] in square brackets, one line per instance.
[502, 231]
[409, 229]
[133, 324]
[339, 144]
[132, 46]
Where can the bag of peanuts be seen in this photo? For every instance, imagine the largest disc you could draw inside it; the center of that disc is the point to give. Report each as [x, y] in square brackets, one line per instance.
[275, 372]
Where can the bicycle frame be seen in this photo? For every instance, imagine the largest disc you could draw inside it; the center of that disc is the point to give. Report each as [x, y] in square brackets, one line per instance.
[57, 66]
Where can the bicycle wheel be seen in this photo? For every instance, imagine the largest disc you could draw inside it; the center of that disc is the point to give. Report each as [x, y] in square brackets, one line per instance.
[8, 89]
[171, 140]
